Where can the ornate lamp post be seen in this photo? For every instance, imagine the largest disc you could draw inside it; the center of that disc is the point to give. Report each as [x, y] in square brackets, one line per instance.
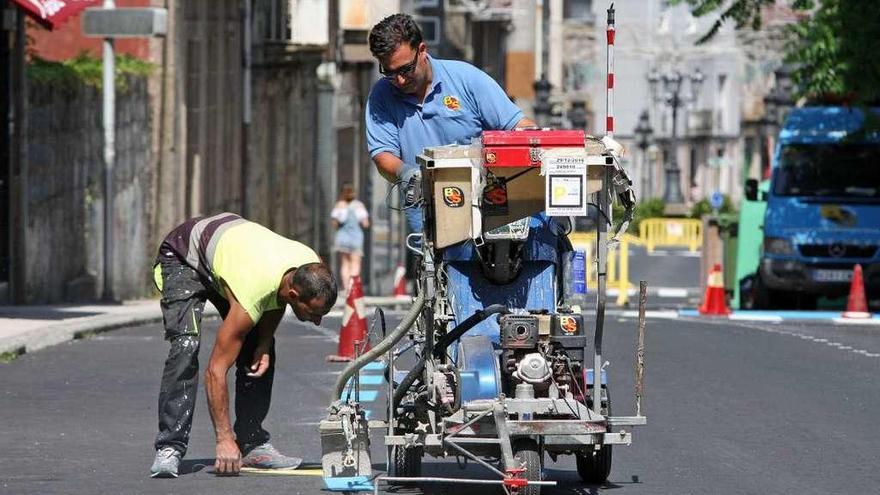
[671, 95]
[644, 132]
[777, 103]
[577, 114]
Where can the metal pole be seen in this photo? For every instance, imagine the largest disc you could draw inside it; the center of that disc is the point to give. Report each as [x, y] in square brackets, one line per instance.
[109, 89]
[609, 68]
[640, 348]
[672, 189]
[601, 280]
[464, 481]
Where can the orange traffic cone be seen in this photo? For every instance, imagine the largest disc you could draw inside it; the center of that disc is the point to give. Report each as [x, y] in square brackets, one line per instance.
[400, 282]
[354, 324]
[714, 301]
[856, 304]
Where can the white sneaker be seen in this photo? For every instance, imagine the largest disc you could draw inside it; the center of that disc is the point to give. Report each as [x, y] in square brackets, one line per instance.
[165, 464]
[267, 457]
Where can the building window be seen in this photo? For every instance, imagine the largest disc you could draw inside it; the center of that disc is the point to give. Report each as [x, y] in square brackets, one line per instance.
[276, 19]
[577, 10]
[309, 22]
[430, 26]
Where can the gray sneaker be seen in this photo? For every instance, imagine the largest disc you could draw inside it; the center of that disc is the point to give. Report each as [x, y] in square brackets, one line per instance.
[165, 465]
[267, 457]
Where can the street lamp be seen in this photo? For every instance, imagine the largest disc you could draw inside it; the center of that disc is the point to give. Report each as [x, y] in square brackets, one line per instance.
[542, 101]
[667, 88]
[777, 103]
[643, 133]
[577, 114]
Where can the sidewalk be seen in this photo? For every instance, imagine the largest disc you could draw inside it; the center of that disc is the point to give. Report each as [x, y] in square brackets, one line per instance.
[26, 329]
[30, 328]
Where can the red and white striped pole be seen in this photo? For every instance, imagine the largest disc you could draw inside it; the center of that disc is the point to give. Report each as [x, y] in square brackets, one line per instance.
[609, 97]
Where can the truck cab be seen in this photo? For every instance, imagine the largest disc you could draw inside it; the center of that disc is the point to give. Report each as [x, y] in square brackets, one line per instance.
[823, 208]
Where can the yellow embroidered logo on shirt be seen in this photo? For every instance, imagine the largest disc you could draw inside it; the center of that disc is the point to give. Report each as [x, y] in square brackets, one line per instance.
[451, 103]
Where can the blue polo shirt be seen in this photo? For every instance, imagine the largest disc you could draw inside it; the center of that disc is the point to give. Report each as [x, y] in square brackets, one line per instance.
[461, 102]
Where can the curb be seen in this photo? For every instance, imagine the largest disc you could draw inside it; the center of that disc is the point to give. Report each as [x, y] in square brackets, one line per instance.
[58, 333]
[47, 336]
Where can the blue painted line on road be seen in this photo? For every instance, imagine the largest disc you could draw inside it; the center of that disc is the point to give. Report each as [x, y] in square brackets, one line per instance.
[375, 365]
[369, 395]
[367, 380]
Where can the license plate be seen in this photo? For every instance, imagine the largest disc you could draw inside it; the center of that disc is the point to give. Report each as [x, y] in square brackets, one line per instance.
[832, 275]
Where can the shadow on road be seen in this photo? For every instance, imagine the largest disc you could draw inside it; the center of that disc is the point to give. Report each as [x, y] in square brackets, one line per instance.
[191, 466]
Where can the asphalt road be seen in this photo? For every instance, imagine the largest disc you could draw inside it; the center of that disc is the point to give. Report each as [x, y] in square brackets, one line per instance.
[734, 408]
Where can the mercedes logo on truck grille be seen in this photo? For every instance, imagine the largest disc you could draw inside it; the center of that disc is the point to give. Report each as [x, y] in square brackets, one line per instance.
[837, 250]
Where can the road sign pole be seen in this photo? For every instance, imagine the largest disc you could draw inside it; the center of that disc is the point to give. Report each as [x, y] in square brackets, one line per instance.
[109, 71]
[109, 23]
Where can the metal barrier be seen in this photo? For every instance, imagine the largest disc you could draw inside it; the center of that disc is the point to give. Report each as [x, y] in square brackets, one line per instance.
[618, 262]
[671, 232]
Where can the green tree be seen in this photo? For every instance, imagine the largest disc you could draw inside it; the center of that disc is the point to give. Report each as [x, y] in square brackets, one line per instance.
[834, 48]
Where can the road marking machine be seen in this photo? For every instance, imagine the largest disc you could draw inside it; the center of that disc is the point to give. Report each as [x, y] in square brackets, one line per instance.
[498, 356]
[495, 346]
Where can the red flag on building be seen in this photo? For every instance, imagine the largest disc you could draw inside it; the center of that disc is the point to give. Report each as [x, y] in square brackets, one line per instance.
[51, 13]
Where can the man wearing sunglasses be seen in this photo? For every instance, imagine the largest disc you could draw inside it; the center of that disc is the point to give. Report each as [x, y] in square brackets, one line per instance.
[423, 101]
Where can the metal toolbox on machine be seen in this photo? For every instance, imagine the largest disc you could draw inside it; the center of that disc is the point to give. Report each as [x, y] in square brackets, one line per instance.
[454, 173]
[514, 160]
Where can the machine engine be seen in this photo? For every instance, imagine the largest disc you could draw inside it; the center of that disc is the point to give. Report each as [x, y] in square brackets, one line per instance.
[542, 355]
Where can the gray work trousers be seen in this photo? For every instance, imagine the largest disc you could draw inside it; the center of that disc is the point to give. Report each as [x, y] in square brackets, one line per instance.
[184, 293]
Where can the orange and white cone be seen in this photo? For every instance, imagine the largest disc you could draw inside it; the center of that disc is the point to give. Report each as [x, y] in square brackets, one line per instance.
[400, 282]
[354, 323]
[856, 303]
[714, 300]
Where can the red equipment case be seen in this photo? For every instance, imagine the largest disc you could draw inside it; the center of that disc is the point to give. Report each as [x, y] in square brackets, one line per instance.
[522, 148]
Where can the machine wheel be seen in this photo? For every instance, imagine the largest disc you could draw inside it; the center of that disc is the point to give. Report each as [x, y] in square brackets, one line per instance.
[527, 453]
[594, 466]
[407, 461]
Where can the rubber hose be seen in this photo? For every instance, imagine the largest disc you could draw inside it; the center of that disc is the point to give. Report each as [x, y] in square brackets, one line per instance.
[440, 348]
[466, 325]
[381, 348]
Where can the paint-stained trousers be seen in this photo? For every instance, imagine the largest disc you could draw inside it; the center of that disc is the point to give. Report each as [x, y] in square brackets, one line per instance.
[184, 294]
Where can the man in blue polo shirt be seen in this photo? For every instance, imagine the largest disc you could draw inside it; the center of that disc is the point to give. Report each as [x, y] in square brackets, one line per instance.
[422, 101]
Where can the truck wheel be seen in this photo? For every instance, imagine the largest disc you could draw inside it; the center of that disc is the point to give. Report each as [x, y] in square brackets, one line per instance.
[527, 453]
[807, 302]
[594, 466]
[406, 461]
[766, 298]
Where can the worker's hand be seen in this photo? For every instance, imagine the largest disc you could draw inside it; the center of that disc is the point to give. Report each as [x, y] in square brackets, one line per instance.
[411, 178]
[228, 461]
[260, 363]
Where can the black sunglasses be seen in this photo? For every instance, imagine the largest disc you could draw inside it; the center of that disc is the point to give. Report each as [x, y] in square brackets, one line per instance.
[404, 70]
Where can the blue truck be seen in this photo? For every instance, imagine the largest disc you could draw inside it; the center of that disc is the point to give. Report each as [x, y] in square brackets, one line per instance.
[822, 213]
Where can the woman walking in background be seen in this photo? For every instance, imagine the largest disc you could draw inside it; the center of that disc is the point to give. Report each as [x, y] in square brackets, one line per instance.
[349, 218]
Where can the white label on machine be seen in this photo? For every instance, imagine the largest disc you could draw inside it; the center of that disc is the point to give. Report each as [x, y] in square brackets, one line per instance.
[566, 185]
